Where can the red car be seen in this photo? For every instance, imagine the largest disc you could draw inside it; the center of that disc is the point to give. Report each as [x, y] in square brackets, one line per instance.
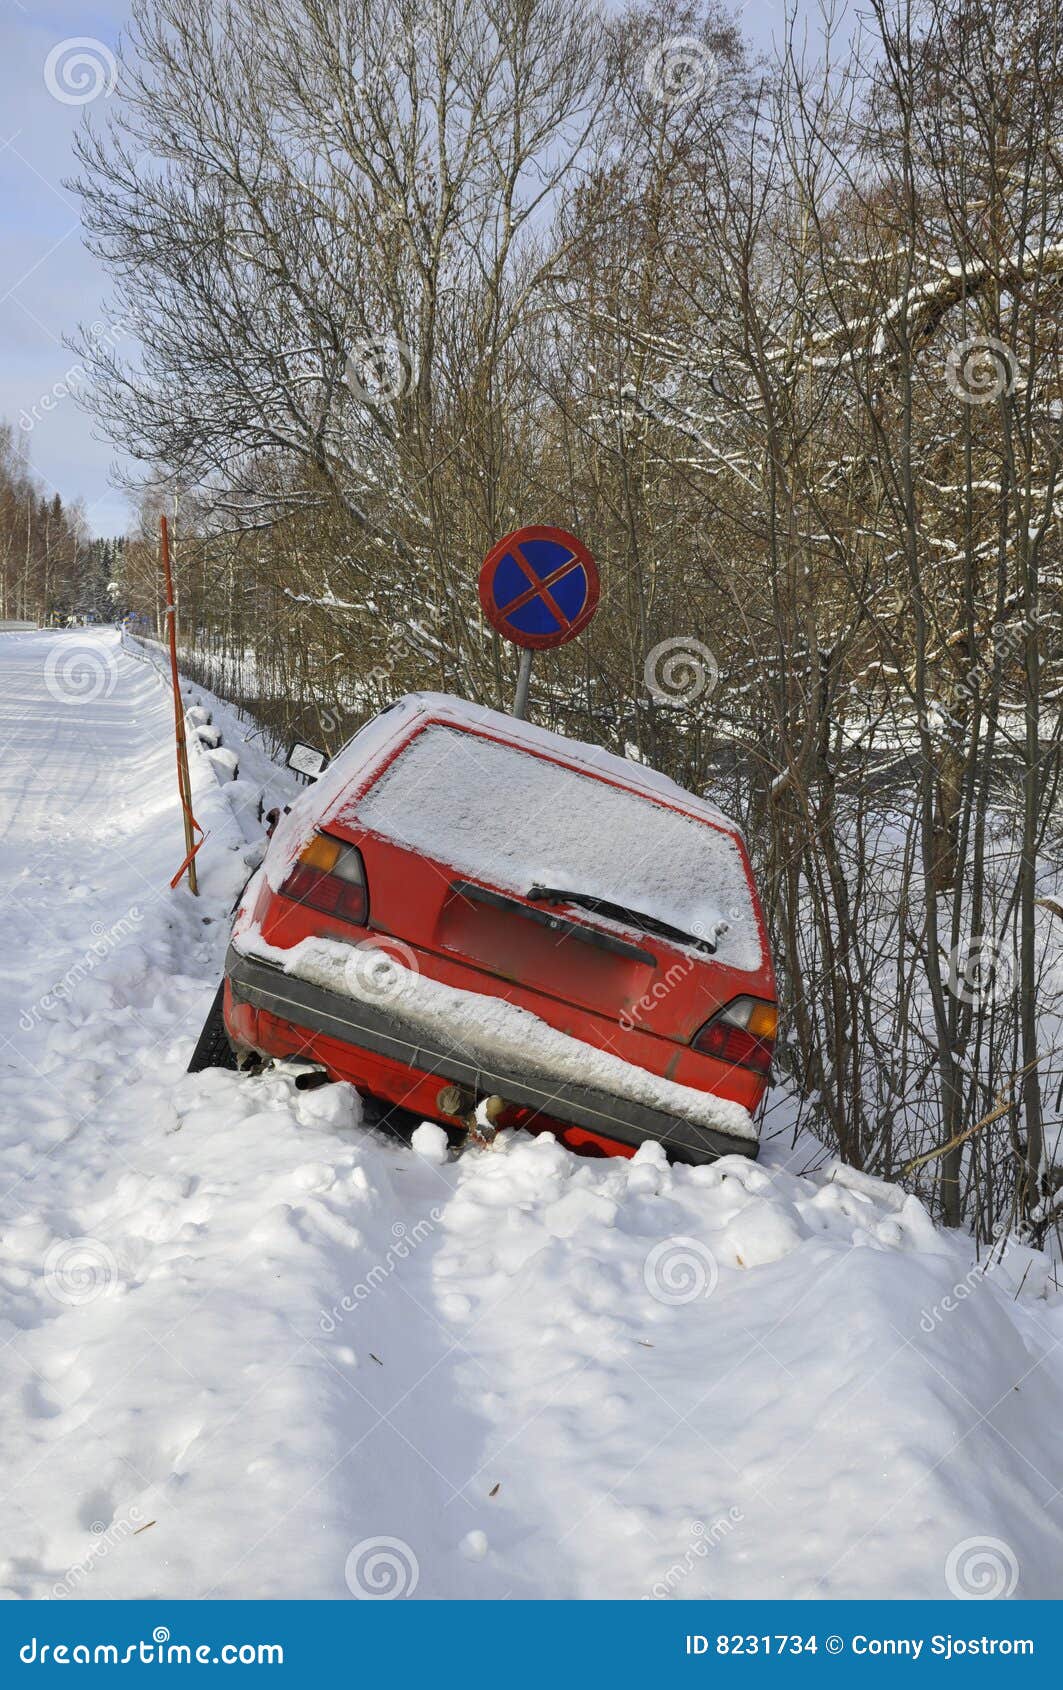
[479, 921]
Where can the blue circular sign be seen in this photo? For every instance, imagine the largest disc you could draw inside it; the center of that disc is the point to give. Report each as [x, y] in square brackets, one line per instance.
[539, 587]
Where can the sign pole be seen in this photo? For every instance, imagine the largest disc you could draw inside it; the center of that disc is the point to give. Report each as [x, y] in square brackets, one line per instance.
[538, 588]
[520, 697]
[184, 785]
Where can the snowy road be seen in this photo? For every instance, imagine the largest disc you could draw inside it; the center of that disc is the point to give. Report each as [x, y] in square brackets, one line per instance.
[250, 1349]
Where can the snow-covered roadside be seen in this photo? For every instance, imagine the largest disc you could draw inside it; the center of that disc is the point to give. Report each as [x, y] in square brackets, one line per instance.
[250, 1349]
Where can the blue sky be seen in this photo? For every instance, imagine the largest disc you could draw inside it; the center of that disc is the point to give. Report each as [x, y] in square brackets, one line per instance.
[48, 282]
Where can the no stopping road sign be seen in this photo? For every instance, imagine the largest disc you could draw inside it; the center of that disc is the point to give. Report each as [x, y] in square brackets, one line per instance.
[539, 587]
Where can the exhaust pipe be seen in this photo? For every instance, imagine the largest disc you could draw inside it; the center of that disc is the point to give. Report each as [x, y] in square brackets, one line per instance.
[479, 1119]
[306, 1074]
[451, 1100]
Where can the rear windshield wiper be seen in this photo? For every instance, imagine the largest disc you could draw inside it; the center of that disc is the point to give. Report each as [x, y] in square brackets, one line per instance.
[620, 912]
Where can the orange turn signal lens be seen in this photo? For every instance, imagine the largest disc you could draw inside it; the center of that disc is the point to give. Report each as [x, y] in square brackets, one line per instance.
[321, 853]
[763, 1020]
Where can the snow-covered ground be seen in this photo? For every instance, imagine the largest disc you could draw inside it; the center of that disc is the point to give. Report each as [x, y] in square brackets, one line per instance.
[249, 1348]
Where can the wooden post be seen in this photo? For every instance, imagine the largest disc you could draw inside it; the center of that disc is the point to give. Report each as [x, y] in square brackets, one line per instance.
[184, 785]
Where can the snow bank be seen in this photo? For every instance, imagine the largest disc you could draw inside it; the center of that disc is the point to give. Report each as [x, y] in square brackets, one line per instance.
[737, 1381]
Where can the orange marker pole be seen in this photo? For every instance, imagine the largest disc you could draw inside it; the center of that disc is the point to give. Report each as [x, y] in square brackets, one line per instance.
[184, 784]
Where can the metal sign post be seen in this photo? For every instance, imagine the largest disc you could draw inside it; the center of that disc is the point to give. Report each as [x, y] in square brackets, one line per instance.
[539, 588]
[520, 697]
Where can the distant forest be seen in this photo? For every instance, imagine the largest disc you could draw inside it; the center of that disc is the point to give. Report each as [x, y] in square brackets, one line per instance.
[51, 570]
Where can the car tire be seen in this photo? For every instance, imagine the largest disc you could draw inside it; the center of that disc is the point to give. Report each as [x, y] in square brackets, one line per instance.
[213, 1049]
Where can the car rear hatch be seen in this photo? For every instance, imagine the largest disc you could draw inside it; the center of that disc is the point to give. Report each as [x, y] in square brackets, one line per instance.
[556, 880]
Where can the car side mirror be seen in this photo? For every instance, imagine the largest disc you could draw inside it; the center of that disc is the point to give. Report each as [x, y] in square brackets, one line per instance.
[307, 760]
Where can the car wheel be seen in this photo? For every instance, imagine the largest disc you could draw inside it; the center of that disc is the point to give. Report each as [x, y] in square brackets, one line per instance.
[213, 1049]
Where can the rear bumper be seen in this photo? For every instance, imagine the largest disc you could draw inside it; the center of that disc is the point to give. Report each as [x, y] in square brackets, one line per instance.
[378, 1029]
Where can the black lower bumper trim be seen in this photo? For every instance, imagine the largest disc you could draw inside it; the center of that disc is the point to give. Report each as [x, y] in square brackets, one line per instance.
[377, 1028]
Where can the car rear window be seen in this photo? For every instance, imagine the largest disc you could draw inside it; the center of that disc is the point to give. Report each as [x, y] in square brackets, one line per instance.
[504, 815]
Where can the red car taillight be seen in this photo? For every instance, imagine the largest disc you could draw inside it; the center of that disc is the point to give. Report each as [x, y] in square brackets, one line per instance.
[330, 876]
[742, 1034]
